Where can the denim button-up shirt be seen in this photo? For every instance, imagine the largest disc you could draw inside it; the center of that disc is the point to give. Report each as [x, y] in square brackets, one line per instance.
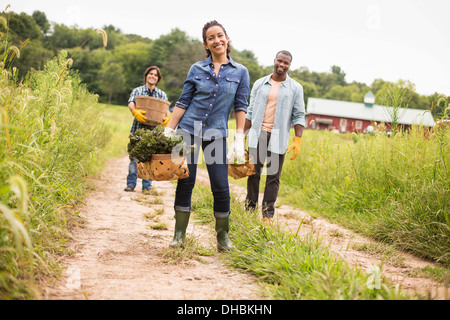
[290, 110]
[208, 98]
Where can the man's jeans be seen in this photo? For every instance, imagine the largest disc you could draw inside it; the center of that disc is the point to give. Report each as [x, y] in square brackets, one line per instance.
[274, 165]
[215, 153]
[132, 177]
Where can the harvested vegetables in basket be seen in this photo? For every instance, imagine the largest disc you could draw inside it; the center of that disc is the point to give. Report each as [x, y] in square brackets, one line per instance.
[158, 157]
[144, 143]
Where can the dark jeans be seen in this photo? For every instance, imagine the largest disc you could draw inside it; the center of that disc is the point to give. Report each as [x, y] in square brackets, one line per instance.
[215, 153]
[274, 166]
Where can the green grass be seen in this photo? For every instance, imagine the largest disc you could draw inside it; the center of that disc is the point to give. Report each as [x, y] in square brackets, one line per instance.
[288, 266]
[395, 190]
[118, 119]
[51, 134]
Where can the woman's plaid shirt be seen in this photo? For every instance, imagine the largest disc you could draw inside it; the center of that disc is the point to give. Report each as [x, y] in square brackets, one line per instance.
[144, 91]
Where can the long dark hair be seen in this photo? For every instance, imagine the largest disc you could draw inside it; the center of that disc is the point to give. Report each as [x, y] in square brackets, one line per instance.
[209, 25]
[158, 72]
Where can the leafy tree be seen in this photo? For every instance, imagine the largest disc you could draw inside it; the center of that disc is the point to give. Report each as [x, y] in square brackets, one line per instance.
[115, 38]
[409, 95]
[340, 75]
[376, 85]
[323, 81]
[89, 63]
[338, 92]
[24, 33]
[176, 67]
[22, 27]
[64, 37]
[163, 46]
[439, 103]
[350, 92]
[248, 59]
[309, 90]
[134, 58]
[111, 78]
[41, 20]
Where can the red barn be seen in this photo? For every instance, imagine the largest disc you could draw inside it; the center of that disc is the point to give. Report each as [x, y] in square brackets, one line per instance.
[343, 116]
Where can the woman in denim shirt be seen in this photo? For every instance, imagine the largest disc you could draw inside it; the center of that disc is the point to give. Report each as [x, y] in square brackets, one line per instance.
[201, 113]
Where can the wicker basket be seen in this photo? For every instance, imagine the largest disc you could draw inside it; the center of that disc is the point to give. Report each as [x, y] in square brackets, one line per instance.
[238, 171]
[163, 167]
[155, 109]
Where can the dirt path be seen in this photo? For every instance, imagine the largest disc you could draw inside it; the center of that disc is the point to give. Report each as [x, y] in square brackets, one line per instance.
[119, 253]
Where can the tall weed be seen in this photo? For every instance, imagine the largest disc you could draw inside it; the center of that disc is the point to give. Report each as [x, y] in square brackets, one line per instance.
[50, 134]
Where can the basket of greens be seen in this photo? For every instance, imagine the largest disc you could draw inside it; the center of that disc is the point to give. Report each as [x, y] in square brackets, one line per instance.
[158, 157]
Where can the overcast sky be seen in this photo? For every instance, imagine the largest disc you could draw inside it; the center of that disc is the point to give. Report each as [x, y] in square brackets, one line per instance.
[368, 39]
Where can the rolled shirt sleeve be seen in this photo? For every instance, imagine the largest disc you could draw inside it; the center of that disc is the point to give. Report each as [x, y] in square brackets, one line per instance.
[298, 110]
[241, 99]
[188, 91]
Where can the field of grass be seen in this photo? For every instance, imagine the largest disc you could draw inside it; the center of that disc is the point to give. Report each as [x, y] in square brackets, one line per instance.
[53, 135]
[290, 267]
[118, 119]
[395, 190]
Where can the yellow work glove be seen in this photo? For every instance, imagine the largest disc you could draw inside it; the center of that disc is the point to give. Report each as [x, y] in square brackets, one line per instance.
[295, 146]
[166, 121]
[139, 115]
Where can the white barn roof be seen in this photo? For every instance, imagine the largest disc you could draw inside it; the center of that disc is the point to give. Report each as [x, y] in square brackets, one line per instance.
[359, 111]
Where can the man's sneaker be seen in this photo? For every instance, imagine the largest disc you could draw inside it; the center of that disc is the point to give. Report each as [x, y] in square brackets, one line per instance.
[128, 189]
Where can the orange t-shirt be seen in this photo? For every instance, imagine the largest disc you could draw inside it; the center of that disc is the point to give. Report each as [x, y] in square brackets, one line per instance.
[269, 115]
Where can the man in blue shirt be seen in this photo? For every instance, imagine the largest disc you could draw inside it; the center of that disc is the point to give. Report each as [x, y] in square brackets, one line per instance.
[151, 78]
[276, 103]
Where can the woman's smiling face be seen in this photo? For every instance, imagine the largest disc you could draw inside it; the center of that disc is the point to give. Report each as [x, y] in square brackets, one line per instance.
[216, 40]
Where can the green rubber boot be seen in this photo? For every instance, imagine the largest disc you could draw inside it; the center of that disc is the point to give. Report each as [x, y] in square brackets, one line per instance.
[181, 223]
[222, 227]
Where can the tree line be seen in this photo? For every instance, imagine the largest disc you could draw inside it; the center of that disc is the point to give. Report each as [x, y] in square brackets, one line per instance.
[113, 71]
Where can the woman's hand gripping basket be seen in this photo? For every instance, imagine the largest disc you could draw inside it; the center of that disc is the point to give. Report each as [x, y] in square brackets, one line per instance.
[238, 171]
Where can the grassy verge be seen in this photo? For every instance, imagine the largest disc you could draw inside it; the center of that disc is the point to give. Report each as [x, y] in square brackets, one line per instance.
[395, 190]
[288, 266]
[118, 119]
[51, 133]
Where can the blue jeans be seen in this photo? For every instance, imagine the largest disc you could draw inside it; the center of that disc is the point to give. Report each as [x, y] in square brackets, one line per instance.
[215, 153]
[132, 177]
